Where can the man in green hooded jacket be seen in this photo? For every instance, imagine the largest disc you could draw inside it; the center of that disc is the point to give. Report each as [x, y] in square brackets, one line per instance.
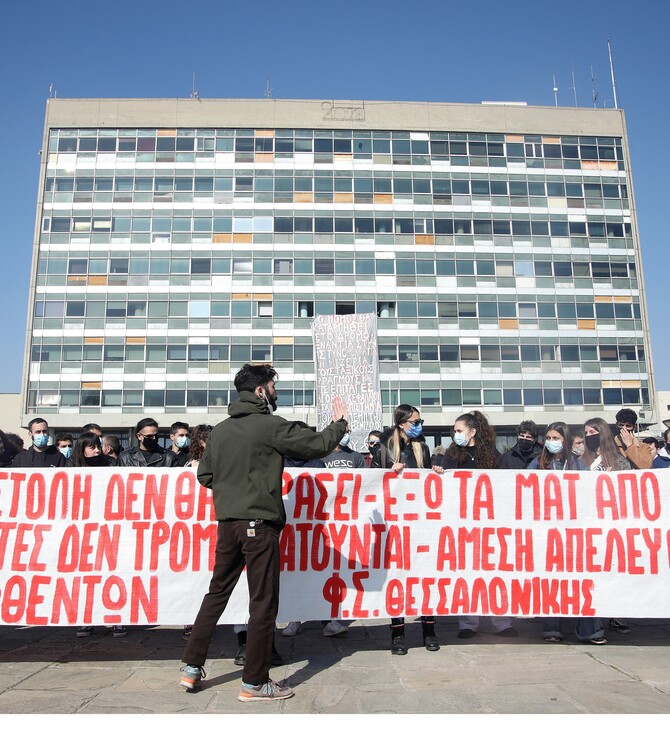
[243, 465]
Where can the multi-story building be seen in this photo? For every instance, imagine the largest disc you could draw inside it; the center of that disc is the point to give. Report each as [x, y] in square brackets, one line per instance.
[177, 239]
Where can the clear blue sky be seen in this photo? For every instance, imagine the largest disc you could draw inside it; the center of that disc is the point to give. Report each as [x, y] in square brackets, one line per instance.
[442, 51]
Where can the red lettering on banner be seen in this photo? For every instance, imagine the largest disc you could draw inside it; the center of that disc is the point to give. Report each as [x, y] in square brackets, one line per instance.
[35, 599]
[389, 501]
[395, 598]
[302, 529]
[482, 498]
[286, 483]
[549, 501]
[432, 490]
[14, 600]
[426, 584]
[357, 578]
[20, 547]
[320, 482]
[359, 550]
[337, 539]
[341, 499]
[155, 497]
[397, 550]
[335, 591]
[148, 602]
[635, 493]
[68, 600]
[35, 496]
[320, 552]
[6, 528]
[304, 497]
[17, 479]
[287, 549]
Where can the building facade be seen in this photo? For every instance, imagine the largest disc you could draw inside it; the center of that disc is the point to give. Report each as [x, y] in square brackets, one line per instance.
[177, 239]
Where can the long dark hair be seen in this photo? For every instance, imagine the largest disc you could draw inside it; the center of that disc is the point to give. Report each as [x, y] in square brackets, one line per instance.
[88, 438]
[609, 451]
[485, 442]
[198, 434]
[546, 457]
[395, 443]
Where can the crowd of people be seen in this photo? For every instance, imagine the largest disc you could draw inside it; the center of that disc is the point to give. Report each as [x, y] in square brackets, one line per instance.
[237, 479]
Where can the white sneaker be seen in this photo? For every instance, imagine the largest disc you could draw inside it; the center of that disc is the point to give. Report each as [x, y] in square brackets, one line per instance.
[292, 628]
[334, 628]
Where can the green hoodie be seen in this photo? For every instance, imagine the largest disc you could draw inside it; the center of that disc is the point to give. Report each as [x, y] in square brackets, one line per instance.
[244, 459]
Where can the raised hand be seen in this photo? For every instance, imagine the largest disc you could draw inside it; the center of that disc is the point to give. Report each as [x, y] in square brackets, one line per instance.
[340, 409]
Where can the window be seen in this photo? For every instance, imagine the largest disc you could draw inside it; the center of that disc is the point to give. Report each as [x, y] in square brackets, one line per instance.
[324, 267]
[345, 308]
[283, 266]
[242, 266]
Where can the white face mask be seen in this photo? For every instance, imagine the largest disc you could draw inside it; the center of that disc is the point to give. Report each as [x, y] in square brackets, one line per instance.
[460, 439]
[344, 441]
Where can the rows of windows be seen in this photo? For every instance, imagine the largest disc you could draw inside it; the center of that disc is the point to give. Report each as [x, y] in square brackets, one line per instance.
[307, 181]
[403, 352]
[418, 224]
[203, 397]
[444, 308]
[402, 265]
[402, 147]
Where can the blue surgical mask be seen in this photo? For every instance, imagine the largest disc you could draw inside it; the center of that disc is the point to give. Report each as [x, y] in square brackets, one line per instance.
[66, 451]
[414, 431]
[554, 447]
[345, 439]
[460, 439]
[41, 440]
[182, 442]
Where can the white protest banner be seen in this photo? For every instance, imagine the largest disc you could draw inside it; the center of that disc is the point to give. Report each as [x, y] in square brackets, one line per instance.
[136, 546]
[347, 364]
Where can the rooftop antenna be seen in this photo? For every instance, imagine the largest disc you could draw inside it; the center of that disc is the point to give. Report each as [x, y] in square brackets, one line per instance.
[194, 91]
[268, 88]
[555, 92]
[574, 85]
[609, 48]
[594, 93]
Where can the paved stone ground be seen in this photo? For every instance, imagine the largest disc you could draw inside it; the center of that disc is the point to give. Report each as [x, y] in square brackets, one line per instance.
[49, 670]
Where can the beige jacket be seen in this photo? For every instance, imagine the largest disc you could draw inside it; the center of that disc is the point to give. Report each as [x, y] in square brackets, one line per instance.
[637, 453]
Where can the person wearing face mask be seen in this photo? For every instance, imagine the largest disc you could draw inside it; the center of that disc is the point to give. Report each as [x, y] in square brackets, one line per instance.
[64, 443]
[343, 457]
[524, 450]
[39, 455]
[243, 465]
[578, 445]
[662, 458]
[557, 456]
[147, 452]
[87, 453]
[181, 440]
[602, 453]
[473, 446]
[407, 450]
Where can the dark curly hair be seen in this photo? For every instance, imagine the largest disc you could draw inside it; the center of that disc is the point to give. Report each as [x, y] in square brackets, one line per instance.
[485, 454]
[198, 434]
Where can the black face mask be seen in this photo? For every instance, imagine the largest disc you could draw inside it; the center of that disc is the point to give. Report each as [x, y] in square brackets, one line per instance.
[525, 446]
[94, 460]
[592, 442]
[150, 443]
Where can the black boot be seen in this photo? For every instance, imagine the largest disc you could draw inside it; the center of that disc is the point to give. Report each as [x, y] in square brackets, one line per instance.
[241, 656]
[429, 639]
[398, 640]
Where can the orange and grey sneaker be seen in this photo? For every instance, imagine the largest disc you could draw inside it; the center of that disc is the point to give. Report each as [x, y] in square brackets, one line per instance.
[264, 692]
[191, 676]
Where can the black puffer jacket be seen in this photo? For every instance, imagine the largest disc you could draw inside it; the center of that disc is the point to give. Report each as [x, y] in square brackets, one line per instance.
[514, 458]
